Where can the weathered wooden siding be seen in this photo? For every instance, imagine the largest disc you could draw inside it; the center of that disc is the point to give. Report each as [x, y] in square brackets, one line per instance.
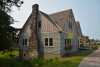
[48, 29]
[74, 43]
[62, 43]
[47, 25]
[54, 50]
[25, 34]
[30, 32]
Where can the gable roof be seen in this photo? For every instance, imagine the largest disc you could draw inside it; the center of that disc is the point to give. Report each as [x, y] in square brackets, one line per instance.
[78, 28]
[52, 21]
[58, 19]
[44, 14]
[26, 23]
[61, 17]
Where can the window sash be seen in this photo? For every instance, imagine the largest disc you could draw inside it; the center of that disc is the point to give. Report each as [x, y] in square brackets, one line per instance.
[25, 42]
[48, 41]
[68, 43]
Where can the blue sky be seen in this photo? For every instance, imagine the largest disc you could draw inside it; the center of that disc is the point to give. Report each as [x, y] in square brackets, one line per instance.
[85, 11]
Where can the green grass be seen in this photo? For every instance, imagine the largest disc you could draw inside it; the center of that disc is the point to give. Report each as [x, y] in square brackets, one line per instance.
[98, 45]
[8, 59]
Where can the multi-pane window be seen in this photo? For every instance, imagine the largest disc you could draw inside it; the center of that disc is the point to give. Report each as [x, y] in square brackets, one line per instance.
[48, 42]
[25, 42]
[69, 41]
[68, 44]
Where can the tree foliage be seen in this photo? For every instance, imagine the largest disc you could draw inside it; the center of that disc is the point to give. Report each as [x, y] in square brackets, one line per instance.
[5, 5]
[5, 20]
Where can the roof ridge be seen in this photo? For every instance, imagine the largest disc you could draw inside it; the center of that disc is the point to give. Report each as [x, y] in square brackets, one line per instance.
[67, 10]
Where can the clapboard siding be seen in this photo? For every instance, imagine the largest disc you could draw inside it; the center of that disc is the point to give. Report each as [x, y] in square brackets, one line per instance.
[56, 26]
[47, 25]
[51, 50]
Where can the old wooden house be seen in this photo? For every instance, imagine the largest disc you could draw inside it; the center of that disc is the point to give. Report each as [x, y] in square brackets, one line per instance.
[47, 36]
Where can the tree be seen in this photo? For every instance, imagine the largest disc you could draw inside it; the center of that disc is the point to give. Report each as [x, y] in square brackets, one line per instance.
[5, 20]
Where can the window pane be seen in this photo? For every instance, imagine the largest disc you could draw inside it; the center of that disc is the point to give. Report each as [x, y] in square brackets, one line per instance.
[65, 41]
[50, 41]
[39, 24]
[68, 45]
[46, 41]
[25, 41]
[69, 41]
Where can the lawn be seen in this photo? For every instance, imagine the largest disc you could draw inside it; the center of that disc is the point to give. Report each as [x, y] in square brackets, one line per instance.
[8, 59]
